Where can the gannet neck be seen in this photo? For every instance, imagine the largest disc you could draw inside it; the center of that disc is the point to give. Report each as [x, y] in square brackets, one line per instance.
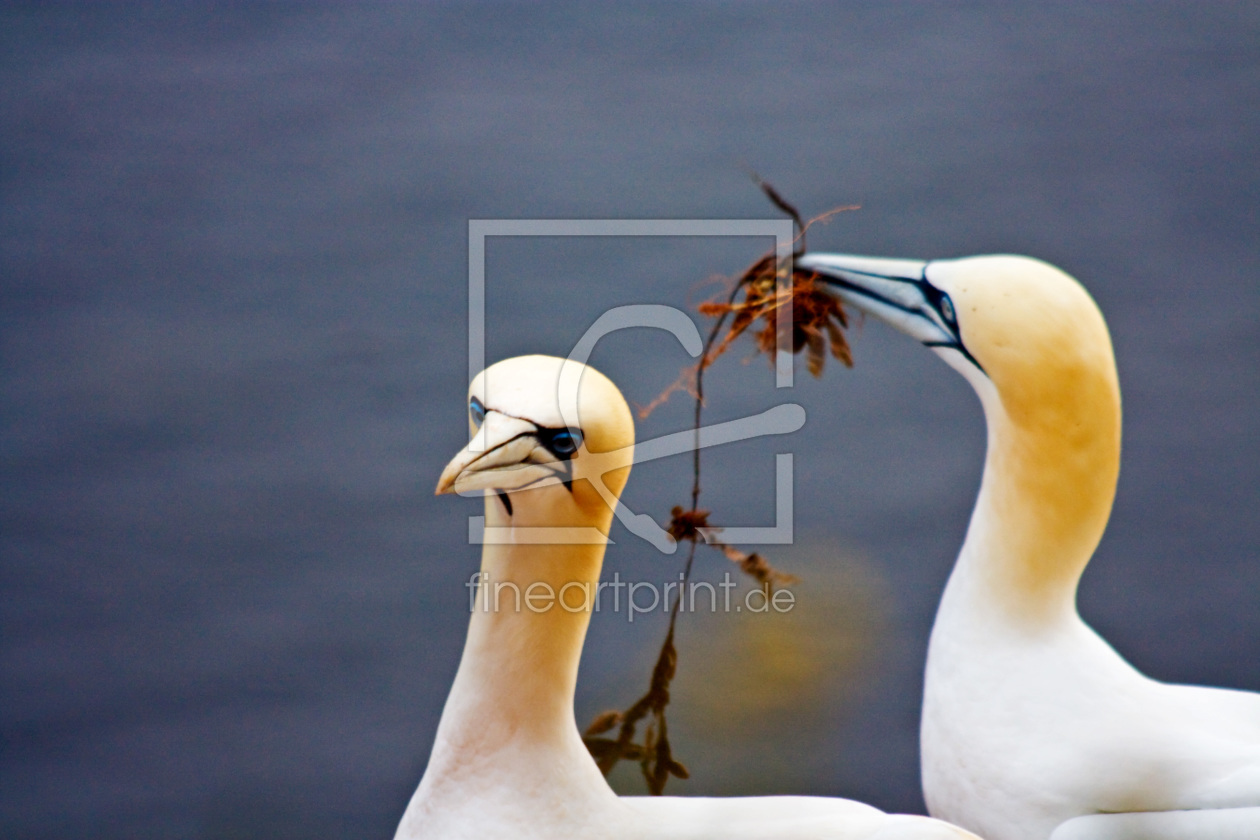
[1051, 400]
[1044, 500]
[518, 673]
[507, 748]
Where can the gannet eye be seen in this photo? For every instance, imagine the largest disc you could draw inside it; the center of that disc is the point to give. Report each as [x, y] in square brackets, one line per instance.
[563, 442]
[947, 308]
[476, 411]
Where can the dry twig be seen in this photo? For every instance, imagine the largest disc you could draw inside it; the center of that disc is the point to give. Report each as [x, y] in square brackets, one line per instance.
[817, 323]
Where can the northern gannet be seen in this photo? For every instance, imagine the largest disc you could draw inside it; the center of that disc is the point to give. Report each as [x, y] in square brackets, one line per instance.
[1033, 726]
[508, 761]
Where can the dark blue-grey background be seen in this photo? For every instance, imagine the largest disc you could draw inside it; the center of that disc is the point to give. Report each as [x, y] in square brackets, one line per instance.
[233, 276]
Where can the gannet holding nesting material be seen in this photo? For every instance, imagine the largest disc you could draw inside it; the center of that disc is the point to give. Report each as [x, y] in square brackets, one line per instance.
[1033, 726]
[552, 447]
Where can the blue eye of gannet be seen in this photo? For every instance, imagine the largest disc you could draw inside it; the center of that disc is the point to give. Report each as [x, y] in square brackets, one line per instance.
[562, 443]
[476, 411]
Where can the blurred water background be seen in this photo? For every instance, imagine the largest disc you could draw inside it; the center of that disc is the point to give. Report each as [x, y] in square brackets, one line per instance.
[233, 277]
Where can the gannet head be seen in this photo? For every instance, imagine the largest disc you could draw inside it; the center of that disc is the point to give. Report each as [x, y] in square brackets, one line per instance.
[1021, 331]
[1035, 348]
[550, 436]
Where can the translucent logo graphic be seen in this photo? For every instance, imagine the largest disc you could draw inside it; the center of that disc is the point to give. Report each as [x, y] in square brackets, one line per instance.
[779, 420]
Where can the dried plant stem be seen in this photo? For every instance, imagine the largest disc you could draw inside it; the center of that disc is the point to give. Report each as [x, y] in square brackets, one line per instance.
[655, 755]
[814, 311]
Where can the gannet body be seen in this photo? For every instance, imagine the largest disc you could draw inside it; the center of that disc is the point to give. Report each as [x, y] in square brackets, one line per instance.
[552, 447]
[1033, 726]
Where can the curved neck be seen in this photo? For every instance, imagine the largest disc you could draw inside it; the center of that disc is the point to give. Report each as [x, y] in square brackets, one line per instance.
[1049, 482]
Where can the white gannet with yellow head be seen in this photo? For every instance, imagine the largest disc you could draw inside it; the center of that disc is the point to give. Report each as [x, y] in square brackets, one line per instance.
[1033, 726]
[553, 441]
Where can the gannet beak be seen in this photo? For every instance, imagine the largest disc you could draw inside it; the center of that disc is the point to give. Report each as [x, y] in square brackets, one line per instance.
[895, 291]
[504, 454]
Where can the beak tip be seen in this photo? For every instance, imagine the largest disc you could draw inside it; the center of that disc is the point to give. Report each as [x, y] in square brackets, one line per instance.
[446, 483]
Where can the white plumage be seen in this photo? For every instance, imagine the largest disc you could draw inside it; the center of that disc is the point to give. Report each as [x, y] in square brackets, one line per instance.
[1033, 726]
[508, 761]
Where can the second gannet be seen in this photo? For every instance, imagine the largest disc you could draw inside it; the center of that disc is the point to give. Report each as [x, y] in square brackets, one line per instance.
[1033, 726]
[552, 446]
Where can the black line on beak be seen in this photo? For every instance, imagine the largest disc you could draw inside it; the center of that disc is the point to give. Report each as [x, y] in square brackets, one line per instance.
[932, 296]
[507, 503]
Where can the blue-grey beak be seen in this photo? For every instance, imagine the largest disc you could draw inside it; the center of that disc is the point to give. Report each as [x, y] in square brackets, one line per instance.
[895, 291]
